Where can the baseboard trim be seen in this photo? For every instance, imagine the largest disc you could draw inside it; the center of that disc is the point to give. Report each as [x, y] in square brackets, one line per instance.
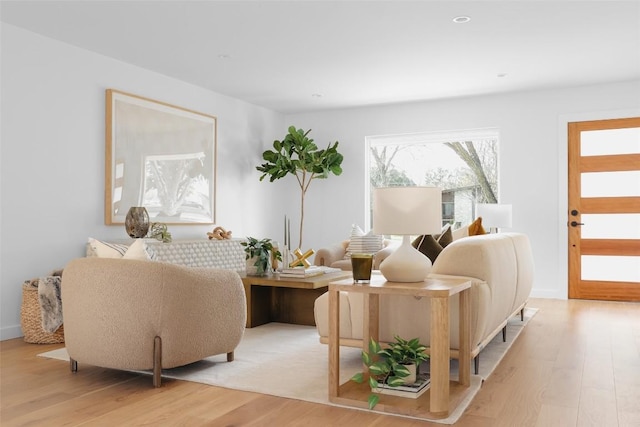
[10, 332]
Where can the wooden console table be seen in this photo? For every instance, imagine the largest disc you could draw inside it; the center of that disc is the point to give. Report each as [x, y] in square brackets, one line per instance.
[444, 395]
[283, 299]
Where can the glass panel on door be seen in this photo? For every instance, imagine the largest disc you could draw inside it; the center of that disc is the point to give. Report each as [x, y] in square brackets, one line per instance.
[610, 184]
[610, 141]
[610, 226]
[611, 268]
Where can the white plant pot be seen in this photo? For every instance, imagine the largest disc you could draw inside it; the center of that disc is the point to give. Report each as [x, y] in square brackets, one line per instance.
[412, 374]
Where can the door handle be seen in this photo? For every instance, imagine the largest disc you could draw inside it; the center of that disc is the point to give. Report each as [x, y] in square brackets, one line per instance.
[575, 223]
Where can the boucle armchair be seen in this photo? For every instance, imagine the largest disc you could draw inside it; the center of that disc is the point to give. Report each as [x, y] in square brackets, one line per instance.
[140, 315]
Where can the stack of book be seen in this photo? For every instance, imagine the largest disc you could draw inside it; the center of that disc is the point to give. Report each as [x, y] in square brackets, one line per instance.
[408, 390]
[301, 272]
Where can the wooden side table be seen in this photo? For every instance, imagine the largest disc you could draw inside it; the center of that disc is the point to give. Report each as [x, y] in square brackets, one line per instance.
[444, 395]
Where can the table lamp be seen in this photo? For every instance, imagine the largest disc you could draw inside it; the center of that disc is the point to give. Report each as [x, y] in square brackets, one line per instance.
[494, 215]
[407, 211]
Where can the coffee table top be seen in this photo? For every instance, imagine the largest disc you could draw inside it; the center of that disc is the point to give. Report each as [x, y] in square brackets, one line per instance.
[314, 282]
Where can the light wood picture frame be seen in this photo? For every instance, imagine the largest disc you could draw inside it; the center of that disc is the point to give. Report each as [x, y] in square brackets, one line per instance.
[159, 156]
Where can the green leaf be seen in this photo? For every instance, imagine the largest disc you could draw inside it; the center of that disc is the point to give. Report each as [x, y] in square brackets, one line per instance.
[359, 378]
[373, 400]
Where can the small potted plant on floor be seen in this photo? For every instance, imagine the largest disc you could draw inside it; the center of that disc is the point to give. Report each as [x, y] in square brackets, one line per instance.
[258, 255]
[395, 365]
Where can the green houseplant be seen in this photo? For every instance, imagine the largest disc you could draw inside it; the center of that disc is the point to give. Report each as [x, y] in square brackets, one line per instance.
[297, 155]
[260, 251]
[391, 365]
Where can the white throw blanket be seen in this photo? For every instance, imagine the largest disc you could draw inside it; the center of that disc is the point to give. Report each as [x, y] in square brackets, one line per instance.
[50, 301]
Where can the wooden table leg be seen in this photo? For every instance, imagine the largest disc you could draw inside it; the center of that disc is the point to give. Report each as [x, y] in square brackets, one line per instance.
[247, 294]
[464, 357]
[334, 343]
[439, 399]
[371, 324]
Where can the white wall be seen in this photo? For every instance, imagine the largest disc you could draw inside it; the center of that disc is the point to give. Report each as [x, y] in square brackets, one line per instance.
[533, 170]
[52, 157]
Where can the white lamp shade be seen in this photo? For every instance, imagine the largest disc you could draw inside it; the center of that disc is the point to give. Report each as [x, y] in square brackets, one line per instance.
[407, 210]
[494, 215]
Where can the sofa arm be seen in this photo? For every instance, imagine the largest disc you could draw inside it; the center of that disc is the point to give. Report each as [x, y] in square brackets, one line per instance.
[329, 255]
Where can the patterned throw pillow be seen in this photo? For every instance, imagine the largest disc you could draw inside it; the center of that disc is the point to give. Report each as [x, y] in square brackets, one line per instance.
[107, 250]
[363, 243]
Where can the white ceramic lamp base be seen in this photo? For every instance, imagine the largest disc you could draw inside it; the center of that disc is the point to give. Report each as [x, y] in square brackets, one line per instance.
[406, 264]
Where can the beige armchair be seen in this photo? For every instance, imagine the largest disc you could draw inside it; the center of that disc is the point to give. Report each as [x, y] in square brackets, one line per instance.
[139, 315]
[333, 256]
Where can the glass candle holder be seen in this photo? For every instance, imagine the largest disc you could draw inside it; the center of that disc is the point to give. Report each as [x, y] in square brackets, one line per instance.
[361, 265]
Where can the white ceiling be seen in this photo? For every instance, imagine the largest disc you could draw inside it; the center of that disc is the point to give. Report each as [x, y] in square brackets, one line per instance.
[282, 54]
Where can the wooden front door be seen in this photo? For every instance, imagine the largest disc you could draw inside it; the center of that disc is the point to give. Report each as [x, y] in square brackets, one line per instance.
[604, 209]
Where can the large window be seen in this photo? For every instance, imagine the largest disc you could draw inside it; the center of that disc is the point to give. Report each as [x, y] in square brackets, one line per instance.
[463, 163]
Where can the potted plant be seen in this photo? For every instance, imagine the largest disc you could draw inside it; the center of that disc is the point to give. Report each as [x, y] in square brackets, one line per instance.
[258, 255]
[395, 365]
[297, 155]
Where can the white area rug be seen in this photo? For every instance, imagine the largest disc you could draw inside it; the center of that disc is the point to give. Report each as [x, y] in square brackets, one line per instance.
[289, 361]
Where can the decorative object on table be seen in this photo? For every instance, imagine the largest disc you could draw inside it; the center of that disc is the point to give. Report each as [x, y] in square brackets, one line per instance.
[137, 222]
[301, 258]
[160, 156]
[274, 256]
[41, 310]
[494, 216]
[258, 255]
[159, 231]
[302, 272]
[395, 365]
[297, 155]
[361, 265]
[406, 211]
[219, 233]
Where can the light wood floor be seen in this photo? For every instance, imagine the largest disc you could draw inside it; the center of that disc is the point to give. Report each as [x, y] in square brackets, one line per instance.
[577, 363]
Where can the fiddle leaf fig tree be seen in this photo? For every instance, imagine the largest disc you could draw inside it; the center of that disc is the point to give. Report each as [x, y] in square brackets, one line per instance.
[297, 155]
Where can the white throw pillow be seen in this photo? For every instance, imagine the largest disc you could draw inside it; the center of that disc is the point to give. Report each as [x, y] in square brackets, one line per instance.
[107, 250]
[460, 233]
[138, 250]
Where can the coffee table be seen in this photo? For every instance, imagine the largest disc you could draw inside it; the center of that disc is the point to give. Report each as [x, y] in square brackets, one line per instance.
[273, 298]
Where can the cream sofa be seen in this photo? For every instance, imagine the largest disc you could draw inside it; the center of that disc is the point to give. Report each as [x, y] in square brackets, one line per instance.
[500, 267]
[138, 315]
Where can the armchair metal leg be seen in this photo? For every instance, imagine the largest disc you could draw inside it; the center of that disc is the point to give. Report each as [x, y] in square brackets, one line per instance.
[476, 364]
[230, 356]
[73, 365]
[522, 314]
[157, 361]
[504, 334]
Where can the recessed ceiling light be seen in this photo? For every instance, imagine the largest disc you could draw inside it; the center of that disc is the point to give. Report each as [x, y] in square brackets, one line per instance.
[461, 19]
[316, 95]
[502, 75]
[224, 56]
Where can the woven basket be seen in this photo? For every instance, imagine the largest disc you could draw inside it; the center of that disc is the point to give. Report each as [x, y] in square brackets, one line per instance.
[31, 320]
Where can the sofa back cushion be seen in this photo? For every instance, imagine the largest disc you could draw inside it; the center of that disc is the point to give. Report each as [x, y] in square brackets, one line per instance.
[491, 258]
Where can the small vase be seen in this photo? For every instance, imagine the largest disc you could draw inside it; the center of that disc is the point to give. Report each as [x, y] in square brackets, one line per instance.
[137, 222]
[252, 268]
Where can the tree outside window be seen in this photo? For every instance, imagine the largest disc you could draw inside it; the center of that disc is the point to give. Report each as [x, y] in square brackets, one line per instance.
[464, 164]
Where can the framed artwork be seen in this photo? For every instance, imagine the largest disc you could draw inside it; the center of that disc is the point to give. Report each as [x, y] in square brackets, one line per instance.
[159, 156]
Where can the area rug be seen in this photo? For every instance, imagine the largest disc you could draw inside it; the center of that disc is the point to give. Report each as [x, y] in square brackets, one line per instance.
[289, 361]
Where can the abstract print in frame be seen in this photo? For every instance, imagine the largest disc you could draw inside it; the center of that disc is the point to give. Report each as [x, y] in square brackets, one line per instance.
[159, 156]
